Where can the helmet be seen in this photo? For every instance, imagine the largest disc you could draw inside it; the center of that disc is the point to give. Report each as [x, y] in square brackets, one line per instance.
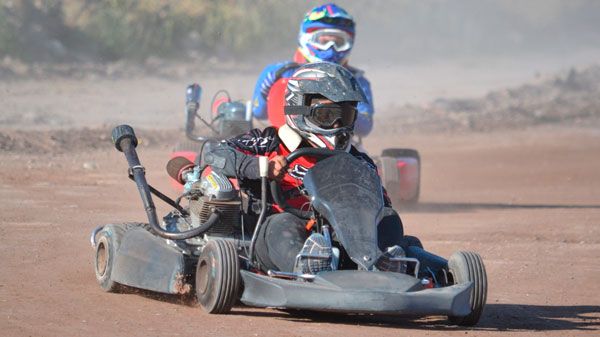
[328, 125]
[326, 34]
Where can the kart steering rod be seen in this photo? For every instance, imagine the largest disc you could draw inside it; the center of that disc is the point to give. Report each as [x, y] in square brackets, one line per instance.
[312, 152]
[125, 141]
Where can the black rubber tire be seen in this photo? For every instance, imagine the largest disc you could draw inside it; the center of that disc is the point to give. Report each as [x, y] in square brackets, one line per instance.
[465, 266]
[395, 153]
[108, 241]
[218, 277]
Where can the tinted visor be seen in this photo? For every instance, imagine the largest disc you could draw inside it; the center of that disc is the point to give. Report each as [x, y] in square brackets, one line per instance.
[339, 22]
[328, 114]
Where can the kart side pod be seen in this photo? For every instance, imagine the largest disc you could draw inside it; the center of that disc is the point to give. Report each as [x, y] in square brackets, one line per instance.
[147, 262]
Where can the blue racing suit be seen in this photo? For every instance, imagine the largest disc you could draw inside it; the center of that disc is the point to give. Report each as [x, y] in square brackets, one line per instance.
[364, 121]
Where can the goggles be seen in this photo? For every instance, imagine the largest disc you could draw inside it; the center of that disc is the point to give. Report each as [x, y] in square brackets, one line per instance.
[324, 39]
[326, 115]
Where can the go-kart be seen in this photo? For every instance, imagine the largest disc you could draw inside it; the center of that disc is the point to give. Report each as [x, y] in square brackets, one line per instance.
[227, 118]
[204, 247]
[399, 168]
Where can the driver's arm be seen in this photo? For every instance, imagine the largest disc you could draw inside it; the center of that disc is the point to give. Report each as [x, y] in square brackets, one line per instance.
[238, 157]
[232, 163]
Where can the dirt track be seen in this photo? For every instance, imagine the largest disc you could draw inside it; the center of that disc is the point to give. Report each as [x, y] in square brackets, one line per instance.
[527, 200]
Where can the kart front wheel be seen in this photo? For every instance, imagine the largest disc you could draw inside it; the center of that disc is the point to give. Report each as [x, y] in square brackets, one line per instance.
[463, 267]
[218, 277]
[108, 241]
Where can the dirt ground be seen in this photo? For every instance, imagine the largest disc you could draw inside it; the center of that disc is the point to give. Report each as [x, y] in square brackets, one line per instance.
[526, 199]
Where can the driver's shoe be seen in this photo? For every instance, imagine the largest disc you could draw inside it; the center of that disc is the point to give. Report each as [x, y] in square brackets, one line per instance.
[321, 256]
[385, 262]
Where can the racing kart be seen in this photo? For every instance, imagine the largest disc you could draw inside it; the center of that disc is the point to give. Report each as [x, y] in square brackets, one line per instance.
[399, 168]
[204, 247]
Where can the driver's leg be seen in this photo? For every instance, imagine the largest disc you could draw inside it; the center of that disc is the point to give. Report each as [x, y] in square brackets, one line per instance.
[389, 235]
[280, 239]
[389, 230]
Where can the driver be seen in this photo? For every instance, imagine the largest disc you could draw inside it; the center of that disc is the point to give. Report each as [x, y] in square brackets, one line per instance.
[321, 111]
[326, 34]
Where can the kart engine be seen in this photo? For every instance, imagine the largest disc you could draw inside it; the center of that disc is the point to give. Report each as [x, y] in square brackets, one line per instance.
[234, 118]
[212, 191]
[218, 192]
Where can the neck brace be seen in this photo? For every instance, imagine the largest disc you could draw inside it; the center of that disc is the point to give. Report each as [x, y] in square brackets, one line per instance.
[290, 138]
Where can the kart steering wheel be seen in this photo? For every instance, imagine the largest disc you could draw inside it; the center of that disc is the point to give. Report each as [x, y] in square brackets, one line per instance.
[277, 191]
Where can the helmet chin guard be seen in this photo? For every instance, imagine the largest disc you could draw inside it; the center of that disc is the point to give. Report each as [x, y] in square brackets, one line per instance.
[333, 139]
[338, 141]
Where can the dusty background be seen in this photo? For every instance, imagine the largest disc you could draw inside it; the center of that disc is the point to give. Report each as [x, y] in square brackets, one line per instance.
[510, 148]
[526, 197]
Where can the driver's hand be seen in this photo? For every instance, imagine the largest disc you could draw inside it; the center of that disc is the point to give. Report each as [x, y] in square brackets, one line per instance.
[277, 166]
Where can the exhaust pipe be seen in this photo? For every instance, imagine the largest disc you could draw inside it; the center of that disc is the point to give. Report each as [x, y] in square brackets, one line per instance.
[125, 141]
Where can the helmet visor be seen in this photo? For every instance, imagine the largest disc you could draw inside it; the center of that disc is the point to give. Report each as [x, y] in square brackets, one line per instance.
[326, 115]
[324, 39]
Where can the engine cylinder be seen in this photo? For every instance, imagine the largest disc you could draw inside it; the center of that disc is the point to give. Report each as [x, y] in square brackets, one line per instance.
[200, 210]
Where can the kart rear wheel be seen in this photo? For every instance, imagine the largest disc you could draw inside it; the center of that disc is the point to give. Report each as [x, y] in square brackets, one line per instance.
[218, 277]
[393, 179]
[400, 153]
[463, 267]
[108, 241]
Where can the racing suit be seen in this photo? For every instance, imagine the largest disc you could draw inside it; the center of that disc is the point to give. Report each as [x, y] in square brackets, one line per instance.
[364, 120]
[283, 234]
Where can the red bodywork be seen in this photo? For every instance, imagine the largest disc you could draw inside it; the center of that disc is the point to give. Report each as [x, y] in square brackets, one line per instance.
[408, 169]
[276, 101]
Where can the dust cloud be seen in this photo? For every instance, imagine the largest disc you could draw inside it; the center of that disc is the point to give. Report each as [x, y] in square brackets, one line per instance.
[413, 53]
[418, 51]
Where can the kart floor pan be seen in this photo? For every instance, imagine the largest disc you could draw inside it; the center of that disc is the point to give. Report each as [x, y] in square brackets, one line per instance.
[357, 292]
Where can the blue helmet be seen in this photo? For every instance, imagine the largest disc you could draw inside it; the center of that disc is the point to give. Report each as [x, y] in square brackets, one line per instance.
[326, 34]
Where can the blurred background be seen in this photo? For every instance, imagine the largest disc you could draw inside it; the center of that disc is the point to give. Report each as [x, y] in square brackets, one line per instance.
[399, 30]
[426, 60]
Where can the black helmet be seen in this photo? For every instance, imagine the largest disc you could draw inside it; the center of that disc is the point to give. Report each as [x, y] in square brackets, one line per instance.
[328, 125]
